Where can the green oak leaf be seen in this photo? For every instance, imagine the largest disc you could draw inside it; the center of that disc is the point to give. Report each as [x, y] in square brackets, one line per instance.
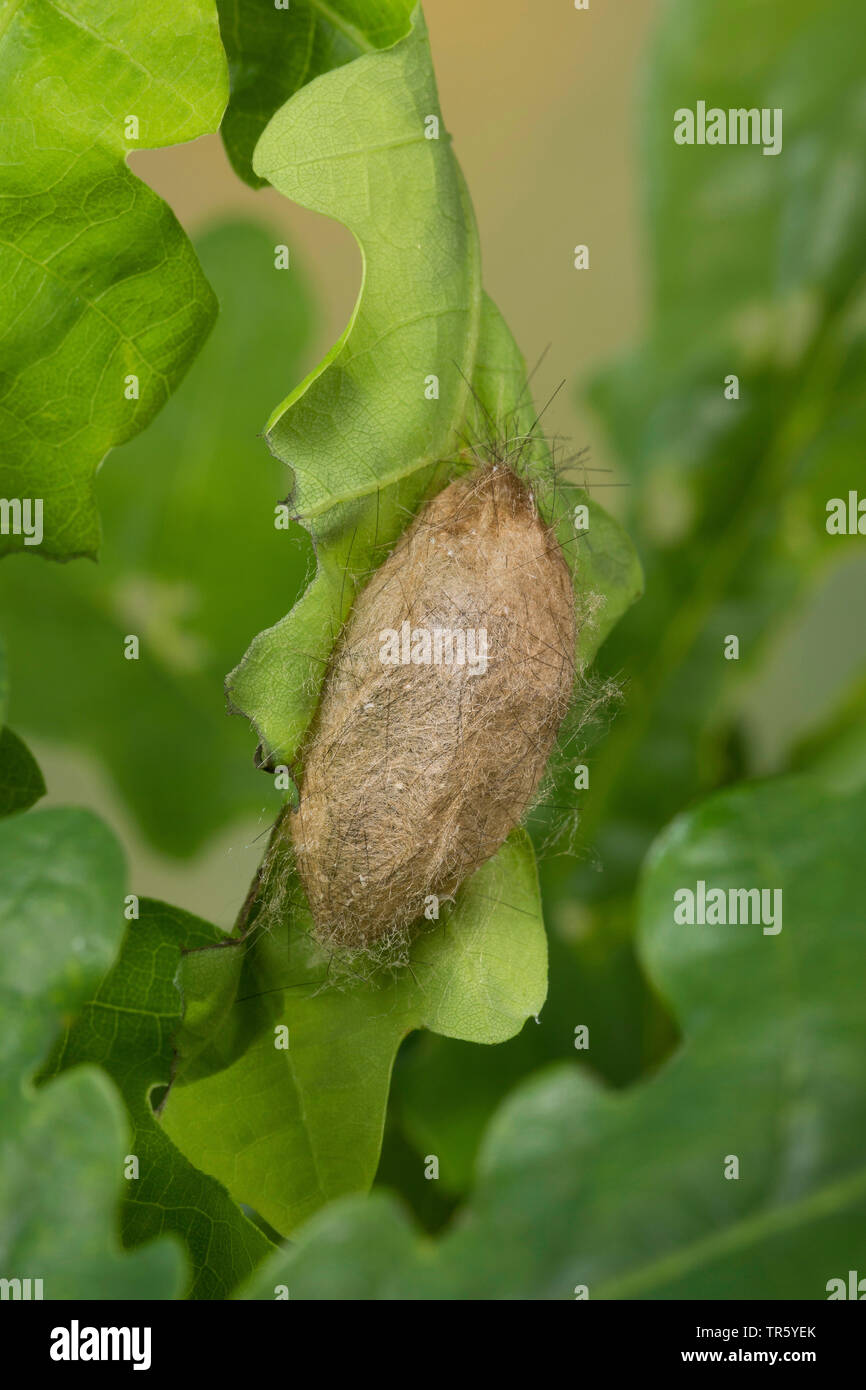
[444, 1093]
[125, 1026]
[290, 1120]
[353, 146]
[366, 447]
[275, 50]
[625, 1193]
[100, 283]
[192, 563]
[21, 781]
[63, 1146]
[364, 444]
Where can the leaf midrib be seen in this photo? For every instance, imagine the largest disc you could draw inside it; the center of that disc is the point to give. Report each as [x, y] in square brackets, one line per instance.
[6, 20]
[343, 26]
[744, 1232]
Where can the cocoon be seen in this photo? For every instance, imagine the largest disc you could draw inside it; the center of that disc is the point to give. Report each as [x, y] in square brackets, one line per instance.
[439, 710]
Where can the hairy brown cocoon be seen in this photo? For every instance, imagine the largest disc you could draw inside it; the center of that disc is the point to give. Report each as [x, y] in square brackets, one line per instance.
[416, 773]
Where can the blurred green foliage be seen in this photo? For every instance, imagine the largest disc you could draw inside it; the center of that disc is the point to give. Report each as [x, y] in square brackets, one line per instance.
[191, 563]
[632, 1194]
[64, 1146]
[125, 1027]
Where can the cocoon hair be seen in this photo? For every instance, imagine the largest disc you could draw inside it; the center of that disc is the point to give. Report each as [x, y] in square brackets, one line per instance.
[439, 710]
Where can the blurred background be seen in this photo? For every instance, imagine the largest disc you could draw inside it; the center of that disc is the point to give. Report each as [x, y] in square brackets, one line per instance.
[702, 263]
[546, 172]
